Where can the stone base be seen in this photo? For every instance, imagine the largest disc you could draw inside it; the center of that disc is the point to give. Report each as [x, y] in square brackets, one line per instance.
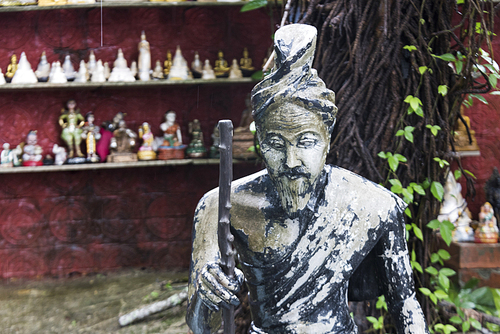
[146, 155]
[76, 160]
[122, 157]
[32, 163]
[169, 153]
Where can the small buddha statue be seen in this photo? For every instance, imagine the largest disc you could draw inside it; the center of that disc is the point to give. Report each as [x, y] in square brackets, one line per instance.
[146, 151]
[487, 231]
[6, 156]
[122, 144]
[196, 148]
[43, 70]
[221, 68]
[120, 70]
[57, 74]
[179, 69]
[246, 64]
[83, 74]
[68, 69]
[158, 71]
[167, 64]
[91, 134]
[32, 152]
[235, 72]
[12, 68]
[197, 66]
[208, 72]
[98, 74]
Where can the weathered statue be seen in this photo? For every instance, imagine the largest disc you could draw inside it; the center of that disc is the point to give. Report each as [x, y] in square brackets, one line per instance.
[72, 122]
[307, 235]
[196, 148]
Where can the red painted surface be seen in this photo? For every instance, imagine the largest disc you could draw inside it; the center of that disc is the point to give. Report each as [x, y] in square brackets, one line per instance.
[88, 221]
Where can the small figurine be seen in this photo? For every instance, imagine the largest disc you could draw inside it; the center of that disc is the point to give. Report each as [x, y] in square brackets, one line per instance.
[146, 150]
[214, 152]
[24, 73]
[158, 71]
[98, 74]
[172, 147]
[221, 68]
[56, 74]
[144, 59]
[235, 72]
[2, 78]
[487, 231]
[122, 144]
[179, 69]
[91, 134]
[6, 156]
[68, 69]
[167, 64]
[246, 64]
[32, 153]
[197, 66]
[60, 154]
[83, 74]
[107, 71]
[207, 73]
[492, 191]
[121, 72]
[43, 70]
[11, 69]
[196, 148]
[133, 68]
[92, 64]
[107, 129]
[72, 122]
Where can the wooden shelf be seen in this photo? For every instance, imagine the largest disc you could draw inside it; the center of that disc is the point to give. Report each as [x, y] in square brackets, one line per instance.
[135, 84]
[123, 4]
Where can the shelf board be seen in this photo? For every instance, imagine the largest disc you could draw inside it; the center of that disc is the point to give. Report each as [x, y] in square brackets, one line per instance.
[135, 84]
[115, 4]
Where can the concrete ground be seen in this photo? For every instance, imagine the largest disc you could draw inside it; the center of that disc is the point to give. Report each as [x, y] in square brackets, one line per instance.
[91, 304]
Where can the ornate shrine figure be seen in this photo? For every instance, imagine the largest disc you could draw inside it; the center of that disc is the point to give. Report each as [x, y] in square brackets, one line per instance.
[11, 69]
[246, 64]
[307, 234]
[235, 72]
[221, 68]
[32, 153]
[171, 144]
[91, 134]
[72, 122]
[196, 148]
[146, 151]
[122, 144]
[487, 231]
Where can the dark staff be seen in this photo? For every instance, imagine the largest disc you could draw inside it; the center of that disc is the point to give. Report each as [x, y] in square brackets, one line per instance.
[225, 237]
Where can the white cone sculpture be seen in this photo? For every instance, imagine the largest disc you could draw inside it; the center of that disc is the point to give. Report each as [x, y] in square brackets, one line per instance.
[43, 70]
[120, 70]
[56, 74]
[98, 75]
[179, 69]
[82, 75]
[68, 69]
[208, 72]
[24, 73]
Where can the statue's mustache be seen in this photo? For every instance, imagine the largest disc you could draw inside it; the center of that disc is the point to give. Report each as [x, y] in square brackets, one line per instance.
[294, 173]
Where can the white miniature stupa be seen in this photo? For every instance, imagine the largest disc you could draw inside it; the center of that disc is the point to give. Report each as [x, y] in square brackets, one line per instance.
[235, 72]
[98, 75]
[82, 75]
[179, 69]
[24, 73]
[120, 70]
[92, 64]
[197, 66]
[133, 68]
[2, 78]
[57, 74]
[43, 70]
[68, 69]
[107, 71]
[208, 72]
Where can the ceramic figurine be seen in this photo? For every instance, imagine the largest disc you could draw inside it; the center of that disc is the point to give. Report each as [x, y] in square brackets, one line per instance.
[167, 64]
[146, 151]
[144, 62]
[43, 70]
[122, 144]
[235, 72]
[68, 69]
[24, 74]
[71, 121]
[196, 148]
[2, 78]
[56, 74]
[6, 156]
[107, 71]
[179, 69]
[107, 129]
[11, 69]
[16, 155]
[120, 70]
[214, 152]
[171, 146]
[60, 155]
[83, 74]
[92, 64]
[91, 133]
[32, 153]
[158, 71]
[246, 64]
[243, 138]
[133, 68]
[308, 235]
[487, 231]
[98, 74]
[207, 73]
[197, 66]
[492, 192]
[221, 68]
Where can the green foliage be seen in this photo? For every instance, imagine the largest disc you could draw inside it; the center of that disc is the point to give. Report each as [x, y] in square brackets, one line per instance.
[407, 132]
[434, 129]
[443, 90]
[253, 4]
[410, 48]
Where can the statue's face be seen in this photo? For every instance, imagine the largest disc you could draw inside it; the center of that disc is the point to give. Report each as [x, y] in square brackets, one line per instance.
[31, 139]
[170, 117]
[294, 143]
[71, 105]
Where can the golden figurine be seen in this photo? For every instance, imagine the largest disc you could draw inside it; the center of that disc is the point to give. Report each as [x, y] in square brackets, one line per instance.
[11, 69]
[72, 122]
[91, 134]
[461, 136]
[146, 150]
[246, 64]
[167, 64]
[221, 67]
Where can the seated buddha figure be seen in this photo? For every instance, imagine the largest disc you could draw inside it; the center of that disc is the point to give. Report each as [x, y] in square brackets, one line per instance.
[246, 64]
[12, 68]
[221, 67]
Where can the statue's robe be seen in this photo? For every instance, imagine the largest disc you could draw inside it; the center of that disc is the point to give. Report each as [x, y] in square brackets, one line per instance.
[298, 269]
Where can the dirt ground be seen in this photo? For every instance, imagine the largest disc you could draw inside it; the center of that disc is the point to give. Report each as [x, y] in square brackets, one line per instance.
[91, 304]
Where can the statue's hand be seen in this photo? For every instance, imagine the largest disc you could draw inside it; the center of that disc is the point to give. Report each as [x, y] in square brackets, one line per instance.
[216, 288]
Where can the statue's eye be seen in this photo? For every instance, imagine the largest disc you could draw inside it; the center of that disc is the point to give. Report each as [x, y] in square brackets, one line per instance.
[276, 143]
[307, 142]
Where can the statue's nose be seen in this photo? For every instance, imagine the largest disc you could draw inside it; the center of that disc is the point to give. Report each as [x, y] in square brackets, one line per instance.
[292, 160]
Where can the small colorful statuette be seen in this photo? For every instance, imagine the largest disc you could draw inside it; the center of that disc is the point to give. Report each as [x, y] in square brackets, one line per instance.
[179, 69]
[234, 71]
[98, 74]
[11, 69]
[57, 74]
[24, 73]
[146, 151]
[32, 153]
[246, 64]
[68, 69]
[83, 74]
[171, 146]
[221, 68]
[71, 121]
[158, 71]
[6, 159]
[208, 72]
[196, 148]
[43, 70]
[197, 66]
[487, 231]
[144, 62]
[121, 72]
[122, 143]
[60, 154]
[91, 133]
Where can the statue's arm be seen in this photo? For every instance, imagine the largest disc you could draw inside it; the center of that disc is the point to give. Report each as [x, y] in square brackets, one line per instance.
[397, 277]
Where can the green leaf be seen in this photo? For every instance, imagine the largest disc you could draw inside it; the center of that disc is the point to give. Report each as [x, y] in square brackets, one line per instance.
[437, 190]
[443, 90]
[409, 134]
[415, 265]
[445, 57]
[458, 174]
[441, 294]
[422, 21]
[381, 303]
[476, 324]
[444, 281]
[393, 162]
[400, 157]
[382, 155]
[425, 291]
[469, 173]
[479, 97]
[431, 270]
[418, 188]
[433, 298]
[447, 271]
[408, 212]
[446, 232]
[459, 65]
[456, 320]
[422, 69]
[253, 4]
[400, 133]
[373, 320]
[435, 258]
[410, 48]
[449, 329]
[434, 129]
[257, 75]
[443, 253]
[408, 196]
[397, 187]
[419, 111]
[492, 327]
[493, 81]
[418, 232]
[466, 326]
[434, 224]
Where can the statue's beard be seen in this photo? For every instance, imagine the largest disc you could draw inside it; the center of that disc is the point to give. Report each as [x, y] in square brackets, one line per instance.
[294, 189]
